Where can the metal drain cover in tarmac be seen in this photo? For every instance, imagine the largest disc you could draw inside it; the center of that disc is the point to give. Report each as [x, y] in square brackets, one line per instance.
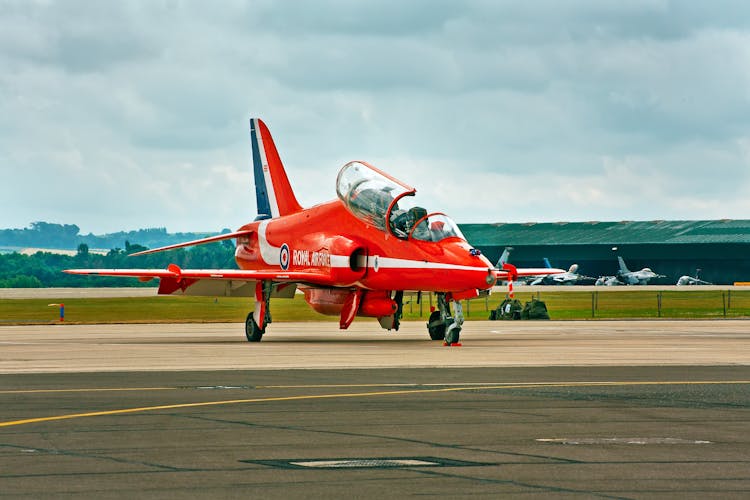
[363, 463]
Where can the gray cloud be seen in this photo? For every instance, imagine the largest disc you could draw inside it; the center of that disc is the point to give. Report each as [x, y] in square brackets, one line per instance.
[131, 114]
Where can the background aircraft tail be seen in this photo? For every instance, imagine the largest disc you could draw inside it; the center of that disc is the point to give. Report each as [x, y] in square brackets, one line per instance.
[273, 192]
[504, 257]
[623, 267]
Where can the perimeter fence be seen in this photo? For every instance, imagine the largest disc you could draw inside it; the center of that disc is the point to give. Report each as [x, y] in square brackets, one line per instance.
[608, 304]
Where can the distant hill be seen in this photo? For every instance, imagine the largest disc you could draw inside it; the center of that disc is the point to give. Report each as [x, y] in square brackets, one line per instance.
[45, 235]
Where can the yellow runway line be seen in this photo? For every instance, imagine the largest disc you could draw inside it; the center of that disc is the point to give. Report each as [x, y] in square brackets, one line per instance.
[494, 385]
[357, 395]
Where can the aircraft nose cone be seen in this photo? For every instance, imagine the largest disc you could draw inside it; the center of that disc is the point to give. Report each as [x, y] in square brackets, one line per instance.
[490, 279]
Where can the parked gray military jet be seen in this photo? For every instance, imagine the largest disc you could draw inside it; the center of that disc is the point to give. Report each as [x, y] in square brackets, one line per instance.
[570, 277]
[607, 281]
[628, 277]
[690, 280]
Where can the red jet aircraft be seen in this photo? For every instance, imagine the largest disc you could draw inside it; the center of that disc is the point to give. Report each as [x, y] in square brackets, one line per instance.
[353, 256]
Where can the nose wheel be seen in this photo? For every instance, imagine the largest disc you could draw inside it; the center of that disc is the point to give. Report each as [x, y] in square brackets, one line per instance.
[443, 326]
[436, 326]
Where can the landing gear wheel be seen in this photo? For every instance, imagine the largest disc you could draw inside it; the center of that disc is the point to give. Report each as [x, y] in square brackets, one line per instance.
[452, 334]
[435, 326]
[252, 331]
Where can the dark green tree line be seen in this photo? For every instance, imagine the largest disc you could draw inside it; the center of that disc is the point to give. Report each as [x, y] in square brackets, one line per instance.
[66, 236]
[44, 269]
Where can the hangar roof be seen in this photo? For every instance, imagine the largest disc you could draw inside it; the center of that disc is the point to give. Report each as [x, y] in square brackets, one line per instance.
[608, 233]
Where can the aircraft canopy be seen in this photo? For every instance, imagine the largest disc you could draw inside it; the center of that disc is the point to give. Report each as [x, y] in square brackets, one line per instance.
[368, 193]
[387, 204]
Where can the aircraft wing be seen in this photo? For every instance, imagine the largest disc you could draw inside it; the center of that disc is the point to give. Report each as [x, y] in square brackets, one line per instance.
[538, 271]
[509, 272]
[202, 241]
[212, 282]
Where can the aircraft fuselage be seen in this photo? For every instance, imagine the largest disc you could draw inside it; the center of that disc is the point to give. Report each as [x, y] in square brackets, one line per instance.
[327, 240]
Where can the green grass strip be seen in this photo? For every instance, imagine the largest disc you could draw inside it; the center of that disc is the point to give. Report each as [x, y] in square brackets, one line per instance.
[562, 305]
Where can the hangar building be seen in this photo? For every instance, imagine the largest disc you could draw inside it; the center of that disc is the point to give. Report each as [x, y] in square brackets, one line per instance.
[719, 248]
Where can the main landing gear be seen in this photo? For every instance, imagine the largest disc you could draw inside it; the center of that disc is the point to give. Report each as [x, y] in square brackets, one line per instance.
[441, 325]
[252, 331]
[256, 321]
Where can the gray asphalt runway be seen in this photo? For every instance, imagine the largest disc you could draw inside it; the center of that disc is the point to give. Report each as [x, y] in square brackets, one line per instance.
[600, 432]
[98, 348]
[634, 409]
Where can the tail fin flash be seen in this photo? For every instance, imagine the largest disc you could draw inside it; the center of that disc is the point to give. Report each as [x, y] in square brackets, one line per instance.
[272, 189]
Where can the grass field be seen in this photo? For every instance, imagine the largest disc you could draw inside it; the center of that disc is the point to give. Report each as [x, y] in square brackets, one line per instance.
[562, 305]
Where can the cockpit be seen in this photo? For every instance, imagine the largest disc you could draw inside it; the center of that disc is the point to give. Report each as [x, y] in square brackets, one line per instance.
[388, 204]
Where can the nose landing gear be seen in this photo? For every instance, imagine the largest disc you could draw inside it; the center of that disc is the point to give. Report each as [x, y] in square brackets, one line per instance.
[441, 325]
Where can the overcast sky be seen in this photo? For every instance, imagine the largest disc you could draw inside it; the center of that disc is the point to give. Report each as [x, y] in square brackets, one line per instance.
[123, 115]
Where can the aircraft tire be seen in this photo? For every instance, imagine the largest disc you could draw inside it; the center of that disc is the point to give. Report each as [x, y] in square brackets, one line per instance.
[437, 332]
[452, 335]
[252, 331]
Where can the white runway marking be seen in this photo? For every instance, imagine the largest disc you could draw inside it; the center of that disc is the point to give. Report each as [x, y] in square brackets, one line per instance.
[340, 464]
[622, 440]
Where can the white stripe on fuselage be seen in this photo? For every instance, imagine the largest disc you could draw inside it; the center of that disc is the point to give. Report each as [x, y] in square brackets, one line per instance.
[268, 252]
[270, 255]
[266, 173]
[393, 263]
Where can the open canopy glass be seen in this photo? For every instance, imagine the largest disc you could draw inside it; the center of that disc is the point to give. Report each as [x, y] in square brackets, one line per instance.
[388, 204]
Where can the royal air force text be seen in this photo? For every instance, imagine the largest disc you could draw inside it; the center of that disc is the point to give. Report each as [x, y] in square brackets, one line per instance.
[308, 258]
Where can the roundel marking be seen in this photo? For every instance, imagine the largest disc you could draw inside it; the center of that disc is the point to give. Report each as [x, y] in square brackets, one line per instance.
[284, 257]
